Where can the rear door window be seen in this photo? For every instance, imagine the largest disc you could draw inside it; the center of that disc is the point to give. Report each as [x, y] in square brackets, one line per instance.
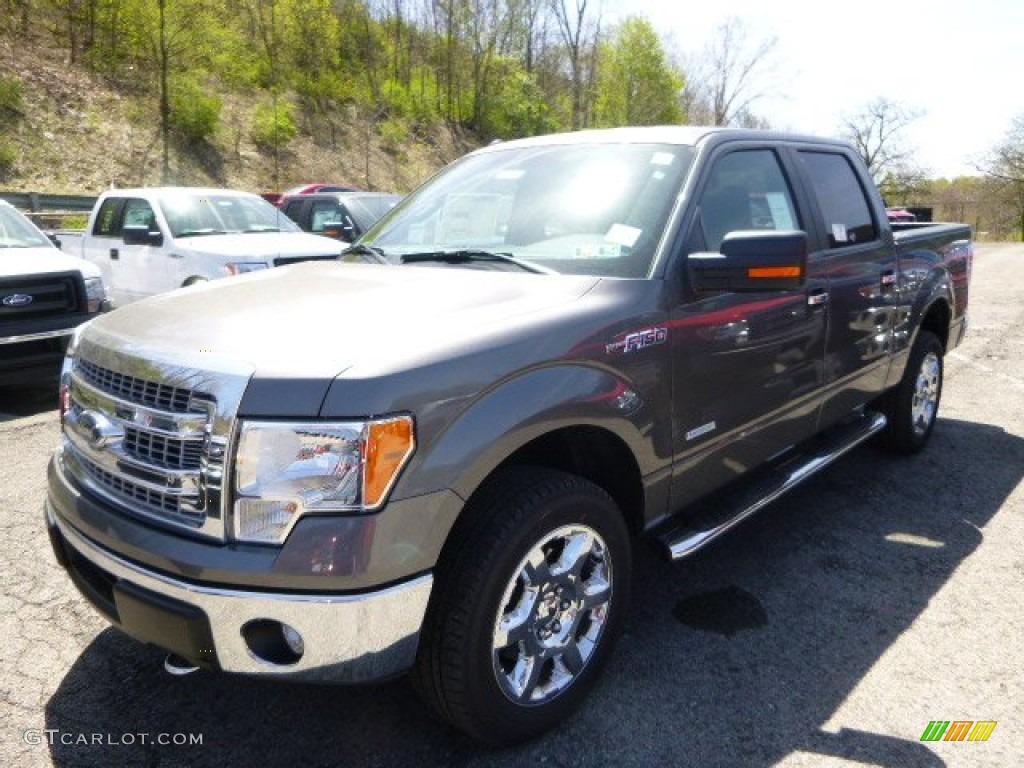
[841, 198]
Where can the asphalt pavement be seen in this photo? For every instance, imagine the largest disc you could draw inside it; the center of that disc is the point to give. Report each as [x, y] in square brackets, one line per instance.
[830, 630]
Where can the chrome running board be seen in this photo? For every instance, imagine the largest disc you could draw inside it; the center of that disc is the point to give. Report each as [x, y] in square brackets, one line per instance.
[702, 525]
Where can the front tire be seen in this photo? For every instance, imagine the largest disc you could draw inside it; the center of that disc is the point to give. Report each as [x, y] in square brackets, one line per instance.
[528, 600]
[912, 407]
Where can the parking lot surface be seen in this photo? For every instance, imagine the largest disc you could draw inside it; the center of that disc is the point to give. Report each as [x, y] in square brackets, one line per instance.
[830, 630]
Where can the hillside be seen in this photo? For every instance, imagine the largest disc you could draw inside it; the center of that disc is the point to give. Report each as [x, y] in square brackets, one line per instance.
[78, 135]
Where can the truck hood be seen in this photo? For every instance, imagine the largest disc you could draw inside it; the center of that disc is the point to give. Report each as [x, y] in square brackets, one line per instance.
[25, 262]
[312, 321]
[261, 246]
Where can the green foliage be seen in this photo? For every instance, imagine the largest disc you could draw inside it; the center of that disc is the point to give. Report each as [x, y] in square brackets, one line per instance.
[273, 124]
[8, 155]
[636, 83]
[194, 113]
[11, 102]
[515, 106]
[394, 135]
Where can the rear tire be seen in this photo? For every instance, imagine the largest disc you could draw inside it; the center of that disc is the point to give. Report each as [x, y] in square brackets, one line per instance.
[912, 407]
[528, 600]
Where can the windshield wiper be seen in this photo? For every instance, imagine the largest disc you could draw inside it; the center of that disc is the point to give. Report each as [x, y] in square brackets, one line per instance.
[365, 250]
[262, 228]
[464, 255]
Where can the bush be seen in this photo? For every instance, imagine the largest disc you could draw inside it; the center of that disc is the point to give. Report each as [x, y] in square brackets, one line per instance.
[273, 127]
[8, 155]
[10, 99]
[194, 115]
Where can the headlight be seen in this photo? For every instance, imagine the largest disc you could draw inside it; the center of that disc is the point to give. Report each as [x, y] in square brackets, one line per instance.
[284, 471]
[241, 267]
[95, 294]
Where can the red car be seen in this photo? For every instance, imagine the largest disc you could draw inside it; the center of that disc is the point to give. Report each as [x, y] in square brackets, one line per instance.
[308, 189]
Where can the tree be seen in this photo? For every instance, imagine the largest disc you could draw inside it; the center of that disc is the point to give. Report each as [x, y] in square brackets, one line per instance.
[728, 77]
[876, 131]
[580, 36]
[636, 85]
[1005, 165]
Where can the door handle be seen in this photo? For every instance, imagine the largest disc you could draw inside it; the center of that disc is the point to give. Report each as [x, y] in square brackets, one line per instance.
[115, 254]
[817, 298]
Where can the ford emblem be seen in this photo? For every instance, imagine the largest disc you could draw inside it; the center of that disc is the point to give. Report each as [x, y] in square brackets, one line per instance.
[17, 300]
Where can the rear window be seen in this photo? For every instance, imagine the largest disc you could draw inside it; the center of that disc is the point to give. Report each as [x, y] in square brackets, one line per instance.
[843, 202]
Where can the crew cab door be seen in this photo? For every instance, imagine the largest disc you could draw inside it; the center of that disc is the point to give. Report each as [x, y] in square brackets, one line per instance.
[130, 271]
[746, 365]
[854, 254]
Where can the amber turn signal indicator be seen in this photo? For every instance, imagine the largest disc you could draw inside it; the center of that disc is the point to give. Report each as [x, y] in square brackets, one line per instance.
[770, 273]
[389, 444]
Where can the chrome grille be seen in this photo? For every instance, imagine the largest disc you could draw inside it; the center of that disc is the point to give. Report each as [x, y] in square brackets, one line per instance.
[163, 505]
[153, 448]
[135, 390]
[163, 451]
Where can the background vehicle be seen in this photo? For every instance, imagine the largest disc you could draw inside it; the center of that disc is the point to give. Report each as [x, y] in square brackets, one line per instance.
[150, 240]
[557, 344]
[311, 188]
[342, 215]
[44, 295]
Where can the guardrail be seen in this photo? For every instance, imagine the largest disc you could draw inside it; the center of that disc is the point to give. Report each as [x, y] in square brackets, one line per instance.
[34, 202]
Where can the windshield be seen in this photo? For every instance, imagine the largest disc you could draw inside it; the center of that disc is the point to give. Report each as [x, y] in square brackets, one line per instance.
[190, 214]
[18, 232]
[578, 209]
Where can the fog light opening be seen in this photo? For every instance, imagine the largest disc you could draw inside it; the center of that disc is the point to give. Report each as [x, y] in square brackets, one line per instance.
[273, 641]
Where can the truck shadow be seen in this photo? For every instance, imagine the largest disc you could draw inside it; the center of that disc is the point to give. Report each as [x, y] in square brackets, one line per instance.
[739, 656]
[28, 400]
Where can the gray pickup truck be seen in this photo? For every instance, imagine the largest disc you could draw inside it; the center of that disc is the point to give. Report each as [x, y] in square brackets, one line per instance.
[433, 455]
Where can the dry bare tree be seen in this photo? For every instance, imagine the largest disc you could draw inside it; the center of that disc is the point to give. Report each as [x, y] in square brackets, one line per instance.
[876, 132]
[731, 73]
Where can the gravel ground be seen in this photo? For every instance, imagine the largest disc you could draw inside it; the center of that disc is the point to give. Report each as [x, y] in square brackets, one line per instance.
[828, 631]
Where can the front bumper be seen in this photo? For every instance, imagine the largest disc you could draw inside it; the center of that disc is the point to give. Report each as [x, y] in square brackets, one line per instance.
[347, 638]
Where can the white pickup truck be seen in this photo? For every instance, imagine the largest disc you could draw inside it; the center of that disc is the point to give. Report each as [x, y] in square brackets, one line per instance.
[150, 240]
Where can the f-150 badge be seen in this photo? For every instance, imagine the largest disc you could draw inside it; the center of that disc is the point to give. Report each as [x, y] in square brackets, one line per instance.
[638, 340]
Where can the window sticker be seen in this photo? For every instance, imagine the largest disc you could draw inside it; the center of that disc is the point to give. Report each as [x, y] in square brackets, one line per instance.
[598, 251]
[782, 216]
[623, 235]
[468, 217]
[839, 233]
[662, 158]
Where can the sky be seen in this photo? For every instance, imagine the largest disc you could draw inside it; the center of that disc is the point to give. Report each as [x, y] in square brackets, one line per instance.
[959, 63]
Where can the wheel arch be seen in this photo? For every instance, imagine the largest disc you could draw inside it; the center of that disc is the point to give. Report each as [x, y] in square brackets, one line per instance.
[936, 318]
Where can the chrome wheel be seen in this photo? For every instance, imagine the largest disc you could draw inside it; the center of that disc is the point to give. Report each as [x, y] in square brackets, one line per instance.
[925, 401]
[552, 615]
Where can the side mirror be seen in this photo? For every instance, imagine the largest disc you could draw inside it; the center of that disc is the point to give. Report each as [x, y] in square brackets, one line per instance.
[54, 238]
[752, 261]
[340, 230]
[138, 234]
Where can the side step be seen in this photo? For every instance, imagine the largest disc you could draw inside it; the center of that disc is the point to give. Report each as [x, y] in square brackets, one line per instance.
[705, 524]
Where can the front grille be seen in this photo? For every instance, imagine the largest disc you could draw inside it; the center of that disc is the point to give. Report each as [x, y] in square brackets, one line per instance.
[163, 451]
[163, 504]
[146, 445]
[27, 298]
[135, 390]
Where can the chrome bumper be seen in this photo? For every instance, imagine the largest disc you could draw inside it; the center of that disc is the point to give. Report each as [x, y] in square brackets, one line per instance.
[346, 638]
